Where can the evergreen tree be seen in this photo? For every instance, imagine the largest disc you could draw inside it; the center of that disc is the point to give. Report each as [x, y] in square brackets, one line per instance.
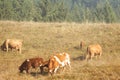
[105, 13]
[87, 15]
[1, 9]
[26, 11]
[99, 13]
[6, 10]
[109, 13]
[16, 10]
[37, 8]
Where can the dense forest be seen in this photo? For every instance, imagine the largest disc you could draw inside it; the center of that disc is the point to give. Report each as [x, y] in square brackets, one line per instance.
[60, 10]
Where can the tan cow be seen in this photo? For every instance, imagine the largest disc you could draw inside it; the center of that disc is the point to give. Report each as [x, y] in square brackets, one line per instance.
[12, 44]
[93, 50]
[57, 61]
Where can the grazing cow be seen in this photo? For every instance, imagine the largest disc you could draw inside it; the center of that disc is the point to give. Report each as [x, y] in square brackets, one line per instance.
[81, 44]
[28, 63]
[58, 60]
[12, 44]
[93, 50]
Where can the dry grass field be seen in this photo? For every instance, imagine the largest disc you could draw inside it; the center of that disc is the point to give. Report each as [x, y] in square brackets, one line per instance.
[45, 39]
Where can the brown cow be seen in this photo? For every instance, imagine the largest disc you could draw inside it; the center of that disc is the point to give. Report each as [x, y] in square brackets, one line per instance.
[12, 44]
[57, 61]
[93, 50]
[28, 63]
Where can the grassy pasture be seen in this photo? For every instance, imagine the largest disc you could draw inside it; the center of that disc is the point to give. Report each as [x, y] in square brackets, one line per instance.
[45, 39]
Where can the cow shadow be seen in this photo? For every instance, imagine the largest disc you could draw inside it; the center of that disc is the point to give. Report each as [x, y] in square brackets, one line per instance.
[81, 58]
[39, 74]
[34, 73]
[77, 47]
[44, 73]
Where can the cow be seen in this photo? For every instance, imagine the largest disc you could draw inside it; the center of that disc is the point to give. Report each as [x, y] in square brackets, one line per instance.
[12, 44]
[57, 61]
[82, 44]
[94, 50]
[31, 63]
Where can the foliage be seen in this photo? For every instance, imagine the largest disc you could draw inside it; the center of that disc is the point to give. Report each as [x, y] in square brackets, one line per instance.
[60, 10]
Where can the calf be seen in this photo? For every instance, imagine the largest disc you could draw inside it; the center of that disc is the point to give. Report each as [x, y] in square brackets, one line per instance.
[93, 50]
[57, 61]
[28, 63]
[12, 44]
[82, 44]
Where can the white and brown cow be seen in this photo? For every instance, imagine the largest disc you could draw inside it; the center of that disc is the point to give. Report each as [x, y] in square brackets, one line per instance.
[57, 61]
[12, 44]
[93, 50]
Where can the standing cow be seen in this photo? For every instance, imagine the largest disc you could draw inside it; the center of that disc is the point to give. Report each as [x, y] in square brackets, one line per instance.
[82, 44]
[12, 44]
[57, 61]
[31, 63]
[93, 50]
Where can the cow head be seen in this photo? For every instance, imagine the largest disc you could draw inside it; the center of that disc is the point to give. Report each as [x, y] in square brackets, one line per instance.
[21, 69]
[25, 66]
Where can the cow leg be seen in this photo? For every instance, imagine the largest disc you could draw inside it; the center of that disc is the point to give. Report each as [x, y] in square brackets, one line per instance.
[92, 55]
[87, 57]
[96, 56]
[11, 48]
[55, 70]
[63, 68]
[20, 50]
[69, 65]
[41, 69]
[99, 55]
[7, 47]
[27, 71]
[51, 72]
[36, 71]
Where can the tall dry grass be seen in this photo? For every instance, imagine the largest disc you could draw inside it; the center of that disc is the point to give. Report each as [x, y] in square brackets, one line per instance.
[45, 39]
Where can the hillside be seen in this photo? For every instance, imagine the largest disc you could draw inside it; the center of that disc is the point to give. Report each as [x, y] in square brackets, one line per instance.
[45, 39]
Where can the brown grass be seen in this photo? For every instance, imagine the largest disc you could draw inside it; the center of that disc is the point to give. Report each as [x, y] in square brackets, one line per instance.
[44, 39]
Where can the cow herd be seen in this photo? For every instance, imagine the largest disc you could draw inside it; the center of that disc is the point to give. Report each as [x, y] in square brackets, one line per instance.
[55, 62]
[59, 60]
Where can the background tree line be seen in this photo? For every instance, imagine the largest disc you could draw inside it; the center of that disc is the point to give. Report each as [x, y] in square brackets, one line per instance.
[60, 10]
